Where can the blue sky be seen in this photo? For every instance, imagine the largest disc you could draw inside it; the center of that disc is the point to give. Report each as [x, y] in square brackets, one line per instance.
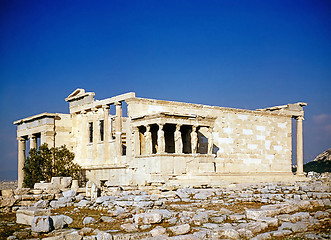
[243, 54]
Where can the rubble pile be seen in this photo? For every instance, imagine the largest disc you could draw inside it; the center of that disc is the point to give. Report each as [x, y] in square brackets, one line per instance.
[235, 211]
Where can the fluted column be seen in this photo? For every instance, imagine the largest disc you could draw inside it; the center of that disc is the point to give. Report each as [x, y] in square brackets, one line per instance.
[33, 141]
[178, 140]
[106, 133]
[210, 141]
[299, 146]
[160, 140]
[118, 130]
[95, 133]
[21, 160]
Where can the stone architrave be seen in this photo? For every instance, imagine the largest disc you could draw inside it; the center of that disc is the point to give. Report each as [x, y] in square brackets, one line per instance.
[160, 139]
[194, 140]
[148, 140]
[178, 140]
[210, 141]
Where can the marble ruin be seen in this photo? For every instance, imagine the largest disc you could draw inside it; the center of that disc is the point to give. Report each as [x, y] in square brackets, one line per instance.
[158, 142]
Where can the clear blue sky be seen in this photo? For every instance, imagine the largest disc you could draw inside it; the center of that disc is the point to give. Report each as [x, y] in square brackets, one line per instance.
[244, 54]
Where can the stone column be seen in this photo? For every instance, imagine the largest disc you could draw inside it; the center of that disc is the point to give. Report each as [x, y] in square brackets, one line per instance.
[95, 134]
[299, 147]
[136, 141]
[148, 141]
[21, 160]
[118, 130]
[210, 141]
[194, 140]
[178, 140]
[160, 140]
[33, 141]
[106, 133]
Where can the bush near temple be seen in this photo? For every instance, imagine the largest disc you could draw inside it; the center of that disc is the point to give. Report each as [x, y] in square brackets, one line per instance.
[44, 163]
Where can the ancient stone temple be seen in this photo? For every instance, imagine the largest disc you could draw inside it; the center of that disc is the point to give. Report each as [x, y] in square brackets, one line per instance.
[128, 140]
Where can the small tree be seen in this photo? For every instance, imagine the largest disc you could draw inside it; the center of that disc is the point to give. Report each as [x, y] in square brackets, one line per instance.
[42, 164]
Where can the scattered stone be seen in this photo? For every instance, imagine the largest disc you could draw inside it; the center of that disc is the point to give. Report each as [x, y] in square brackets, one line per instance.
[69, 194]
[129, 227]
[41, 204]
[147, 218]
[61, 221]
[88, 220]
[41, 224]
[180, 229]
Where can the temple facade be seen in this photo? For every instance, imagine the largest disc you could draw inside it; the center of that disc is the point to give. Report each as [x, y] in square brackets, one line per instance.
[127, 140]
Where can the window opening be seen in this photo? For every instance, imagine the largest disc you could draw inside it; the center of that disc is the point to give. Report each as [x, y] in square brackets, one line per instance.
[101, 130]
[91, 131]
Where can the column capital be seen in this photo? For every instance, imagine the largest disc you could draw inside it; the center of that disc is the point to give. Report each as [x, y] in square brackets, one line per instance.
[22, 139]
[299, 118]
[32, 136]
[118, 103]
[106, 107]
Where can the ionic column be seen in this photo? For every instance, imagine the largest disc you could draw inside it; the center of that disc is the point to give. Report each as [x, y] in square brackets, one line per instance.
[194, 140]
[33, 141]
[21, 160]
[118, 130]
[106, 133]
[160, 140]
[95, 133]
[178, 140]
[299, 146]
[148, 140]
[136, 140]
[210, 141]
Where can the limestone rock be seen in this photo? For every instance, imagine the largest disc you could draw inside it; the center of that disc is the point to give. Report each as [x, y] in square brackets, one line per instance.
[180, 229]
[66, 182]
[83, 203]
[69, 194]
[256, 214]
[7, 202]
[41, 224]
[129, 227]
[157, 231]
[147, 218]
[104, 236]
[41, 204]
[107, 219]
[88, 220]
[61, 221]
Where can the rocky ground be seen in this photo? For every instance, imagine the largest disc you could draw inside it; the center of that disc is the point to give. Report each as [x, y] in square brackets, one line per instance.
[299, 210]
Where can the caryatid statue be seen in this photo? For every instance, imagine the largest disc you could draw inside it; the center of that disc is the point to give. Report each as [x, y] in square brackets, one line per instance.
[194, 140]
[160, 139]
[178, 140]
[148, 140]
[210, 141]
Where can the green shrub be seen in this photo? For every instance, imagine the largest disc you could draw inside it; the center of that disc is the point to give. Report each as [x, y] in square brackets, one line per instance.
[42, 164]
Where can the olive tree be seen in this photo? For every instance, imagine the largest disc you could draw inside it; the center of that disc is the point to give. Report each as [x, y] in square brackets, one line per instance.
[44, 163]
